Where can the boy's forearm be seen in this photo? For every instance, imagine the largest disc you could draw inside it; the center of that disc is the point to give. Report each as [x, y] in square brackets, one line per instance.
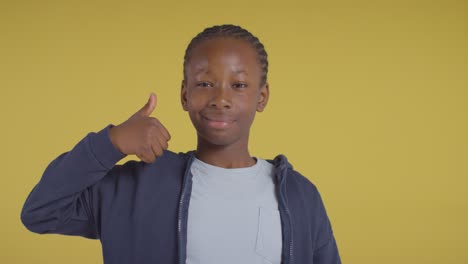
[66, 177]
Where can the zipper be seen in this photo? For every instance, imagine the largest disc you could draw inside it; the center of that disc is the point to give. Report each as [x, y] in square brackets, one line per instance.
[291, 243]
[282, 195]
[179, 229]
[181, 205]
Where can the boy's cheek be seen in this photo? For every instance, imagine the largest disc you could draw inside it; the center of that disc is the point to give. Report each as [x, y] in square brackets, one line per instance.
[196, 101]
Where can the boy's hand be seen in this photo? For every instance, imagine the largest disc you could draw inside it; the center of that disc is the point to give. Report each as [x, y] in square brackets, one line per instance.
[141, 134]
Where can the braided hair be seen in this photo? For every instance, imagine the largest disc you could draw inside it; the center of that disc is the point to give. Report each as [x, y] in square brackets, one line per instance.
[232, 31]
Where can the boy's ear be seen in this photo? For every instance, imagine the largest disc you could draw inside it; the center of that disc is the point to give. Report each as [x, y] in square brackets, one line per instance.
[183, 95]
[263, 97]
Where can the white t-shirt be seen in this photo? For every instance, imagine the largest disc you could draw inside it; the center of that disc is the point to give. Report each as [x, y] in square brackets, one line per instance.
[233, 215]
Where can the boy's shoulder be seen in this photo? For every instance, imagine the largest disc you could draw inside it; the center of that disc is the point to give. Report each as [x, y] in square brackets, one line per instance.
[296, 183]
[281, 161]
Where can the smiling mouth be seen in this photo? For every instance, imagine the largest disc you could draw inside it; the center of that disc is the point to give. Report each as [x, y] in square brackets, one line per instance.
[219, 124]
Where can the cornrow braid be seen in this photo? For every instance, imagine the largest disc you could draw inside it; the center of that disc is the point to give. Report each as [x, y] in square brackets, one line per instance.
[233, 31]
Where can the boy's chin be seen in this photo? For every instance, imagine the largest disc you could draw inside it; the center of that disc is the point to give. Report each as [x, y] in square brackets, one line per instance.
[217, 140]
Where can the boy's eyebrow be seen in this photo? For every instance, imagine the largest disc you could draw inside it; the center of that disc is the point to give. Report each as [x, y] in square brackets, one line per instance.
[204, 70]
[241, 71]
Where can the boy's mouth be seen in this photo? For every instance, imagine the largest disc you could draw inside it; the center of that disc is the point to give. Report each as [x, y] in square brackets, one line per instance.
[218, 122]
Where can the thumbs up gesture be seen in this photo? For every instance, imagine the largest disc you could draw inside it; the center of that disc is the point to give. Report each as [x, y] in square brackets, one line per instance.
[141, 134]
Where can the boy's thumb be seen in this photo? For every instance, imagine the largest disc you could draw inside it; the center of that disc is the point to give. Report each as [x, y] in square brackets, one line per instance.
[148, 108]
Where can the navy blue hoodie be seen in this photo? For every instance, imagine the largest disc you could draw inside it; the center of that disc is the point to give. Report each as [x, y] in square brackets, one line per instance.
[139, 210]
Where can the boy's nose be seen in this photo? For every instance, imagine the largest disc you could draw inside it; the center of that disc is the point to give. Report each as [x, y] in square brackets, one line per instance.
[221, 97]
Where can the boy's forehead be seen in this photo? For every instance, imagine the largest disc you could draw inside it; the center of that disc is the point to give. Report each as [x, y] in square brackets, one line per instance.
[236, 55]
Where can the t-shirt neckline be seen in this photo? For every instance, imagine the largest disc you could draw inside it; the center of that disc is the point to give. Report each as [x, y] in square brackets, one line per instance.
[245, 171]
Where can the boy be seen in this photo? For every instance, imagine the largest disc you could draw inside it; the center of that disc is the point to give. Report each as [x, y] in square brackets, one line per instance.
[215, 204]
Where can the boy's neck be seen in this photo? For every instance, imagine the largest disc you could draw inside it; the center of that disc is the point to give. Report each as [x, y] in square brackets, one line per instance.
[226, 157]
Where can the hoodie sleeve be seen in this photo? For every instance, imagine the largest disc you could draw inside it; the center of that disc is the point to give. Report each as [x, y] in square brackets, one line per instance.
[325, 250]
[324, 247]
[62, 201]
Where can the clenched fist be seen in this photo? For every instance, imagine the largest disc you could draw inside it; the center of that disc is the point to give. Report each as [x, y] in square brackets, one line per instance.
[141, 134]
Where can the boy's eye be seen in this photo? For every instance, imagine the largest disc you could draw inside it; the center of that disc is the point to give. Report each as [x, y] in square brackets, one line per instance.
[240, 85]
[204, 84]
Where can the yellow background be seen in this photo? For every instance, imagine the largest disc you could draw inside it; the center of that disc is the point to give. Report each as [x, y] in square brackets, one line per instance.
[368, 100]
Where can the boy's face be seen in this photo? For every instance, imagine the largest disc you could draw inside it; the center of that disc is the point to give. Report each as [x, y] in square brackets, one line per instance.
[221, 92]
